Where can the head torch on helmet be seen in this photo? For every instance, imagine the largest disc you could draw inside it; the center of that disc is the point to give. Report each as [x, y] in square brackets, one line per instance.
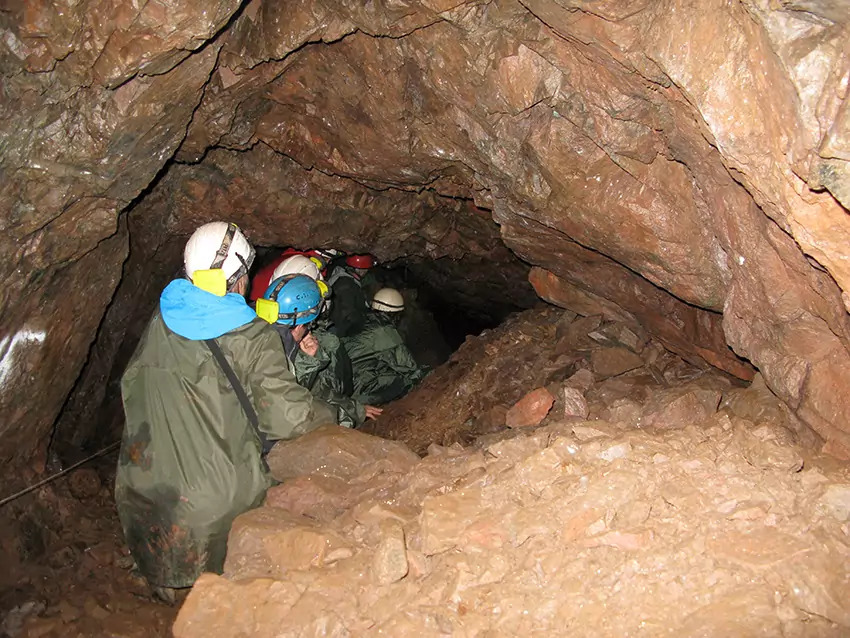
[323, 289]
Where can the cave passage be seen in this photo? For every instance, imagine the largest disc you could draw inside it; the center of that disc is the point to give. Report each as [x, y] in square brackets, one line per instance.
[640, 208]
[455, 308]
[446, 300]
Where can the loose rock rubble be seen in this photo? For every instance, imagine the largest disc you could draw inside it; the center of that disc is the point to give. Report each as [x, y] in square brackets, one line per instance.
[682, 504]
[67, 572]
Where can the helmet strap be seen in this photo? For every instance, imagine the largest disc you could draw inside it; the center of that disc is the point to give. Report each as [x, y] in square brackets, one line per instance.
[278, 287]
[223, 251]
[242, 270]
[224, 248]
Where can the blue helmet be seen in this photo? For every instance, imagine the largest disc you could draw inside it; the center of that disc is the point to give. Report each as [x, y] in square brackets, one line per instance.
[291, 300]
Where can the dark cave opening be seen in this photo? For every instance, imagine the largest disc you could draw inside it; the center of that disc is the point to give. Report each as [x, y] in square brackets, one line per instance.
[446, 300]
[456, 312]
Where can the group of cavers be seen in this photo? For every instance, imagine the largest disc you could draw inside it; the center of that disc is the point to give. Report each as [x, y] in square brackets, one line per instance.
[215, 381]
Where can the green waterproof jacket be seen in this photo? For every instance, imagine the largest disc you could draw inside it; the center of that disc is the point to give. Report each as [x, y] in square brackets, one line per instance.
[383, 368]
[190, 460]
[348, 310]
[328, 377]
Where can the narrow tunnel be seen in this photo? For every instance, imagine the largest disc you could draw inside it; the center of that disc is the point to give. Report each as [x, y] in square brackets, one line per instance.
[621, 232]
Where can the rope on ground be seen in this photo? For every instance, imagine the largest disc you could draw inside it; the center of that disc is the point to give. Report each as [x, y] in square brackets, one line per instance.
[50, 479]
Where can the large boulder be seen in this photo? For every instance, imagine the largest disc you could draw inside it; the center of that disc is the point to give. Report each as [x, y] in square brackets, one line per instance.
[338, 453]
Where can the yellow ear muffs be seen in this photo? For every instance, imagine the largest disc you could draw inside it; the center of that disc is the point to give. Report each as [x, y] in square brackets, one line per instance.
[318, 262]
[323, 288]
[212, 280]
[268, 310]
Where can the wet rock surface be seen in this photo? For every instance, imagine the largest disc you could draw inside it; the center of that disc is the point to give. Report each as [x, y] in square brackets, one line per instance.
[560, 365]
[705, 510]
[97, 96]
[673, 170]
[665, 161]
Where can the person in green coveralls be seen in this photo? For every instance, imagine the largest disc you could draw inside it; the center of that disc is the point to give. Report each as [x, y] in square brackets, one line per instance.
[192, 451]
[321, 363]
[382, 366]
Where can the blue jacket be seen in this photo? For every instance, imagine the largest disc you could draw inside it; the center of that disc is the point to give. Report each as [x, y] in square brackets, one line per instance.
[197, 314]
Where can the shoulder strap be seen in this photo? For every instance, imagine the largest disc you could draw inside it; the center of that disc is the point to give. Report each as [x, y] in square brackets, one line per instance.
[343, 370]
[240, 393]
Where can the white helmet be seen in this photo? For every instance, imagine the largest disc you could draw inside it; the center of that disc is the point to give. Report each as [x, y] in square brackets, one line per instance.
[218, 245]
[297, 265]
[388, 300]
[303, 265]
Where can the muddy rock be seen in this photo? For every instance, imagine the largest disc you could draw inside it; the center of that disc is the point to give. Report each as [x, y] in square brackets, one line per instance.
[219, 606]
[81, 584]
[84, 483]
[269, 542]
[320, 497]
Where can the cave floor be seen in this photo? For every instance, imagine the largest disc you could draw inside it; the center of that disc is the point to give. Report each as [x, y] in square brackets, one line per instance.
[632, 494]
[81, 581]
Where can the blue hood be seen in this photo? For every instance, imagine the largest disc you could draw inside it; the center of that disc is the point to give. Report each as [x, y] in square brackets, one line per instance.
[197, 314]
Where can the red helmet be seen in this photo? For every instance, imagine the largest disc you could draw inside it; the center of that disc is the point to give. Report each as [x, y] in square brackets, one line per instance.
[360, 261]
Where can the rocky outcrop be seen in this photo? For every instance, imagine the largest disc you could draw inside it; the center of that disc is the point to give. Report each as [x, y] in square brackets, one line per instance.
[682, 502]
[698, 149]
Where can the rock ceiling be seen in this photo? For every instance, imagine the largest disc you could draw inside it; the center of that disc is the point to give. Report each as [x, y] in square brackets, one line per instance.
[684, 163]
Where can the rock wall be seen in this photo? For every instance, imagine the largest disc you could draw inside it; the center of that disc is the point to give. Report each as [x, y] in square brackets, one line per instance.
[96, 97]
[699, 149]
